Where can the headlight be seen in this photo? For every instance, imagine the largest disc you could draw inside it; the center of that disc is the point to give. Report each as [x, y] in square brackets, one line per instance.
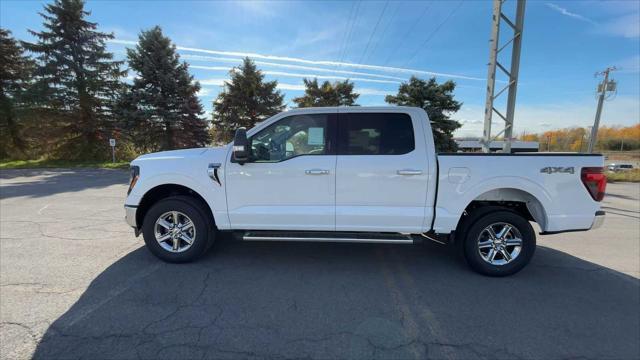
[133, 177]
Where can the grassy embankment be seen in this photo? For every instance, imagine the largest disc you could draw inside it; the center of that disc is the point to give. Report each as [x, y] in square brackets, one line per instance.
[624, 157]
[45, 163]
[632, 176]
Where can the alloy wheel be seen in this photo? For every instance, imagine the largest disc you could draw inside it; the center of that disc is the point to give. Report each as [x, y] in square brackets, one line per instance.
[499, 243]
[175, 231]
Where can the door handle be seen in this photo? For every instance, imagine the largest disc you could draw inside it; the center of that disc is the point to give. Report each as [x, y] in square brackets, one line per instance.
[409, 172]
[316, 172]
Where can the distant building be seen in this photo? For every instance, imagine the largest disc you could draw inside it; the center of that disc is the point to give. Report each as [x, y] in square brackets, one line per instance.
[474, 145]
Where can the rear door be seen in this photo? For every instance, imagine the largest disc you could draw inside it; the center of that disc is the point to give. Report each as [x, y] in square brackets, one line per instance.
[381, 173]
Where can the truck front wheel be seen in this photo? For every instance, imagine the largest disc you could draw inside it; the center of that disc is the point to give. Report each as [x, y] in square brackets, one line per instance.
[177, 229]
[499, 243]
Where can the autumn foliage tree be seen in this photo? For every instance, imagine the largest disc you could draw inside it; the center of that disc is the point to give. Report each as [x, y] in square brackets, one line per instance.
[576, 139]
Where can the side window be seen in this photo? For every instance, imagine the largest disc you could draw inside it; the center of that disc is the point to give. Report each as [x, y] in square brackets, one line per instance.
[375, 134]
[289, 137]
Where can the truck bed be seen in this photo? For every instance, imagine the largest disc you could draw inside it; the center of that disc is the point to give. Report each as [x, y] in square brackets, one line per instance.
[549, 183]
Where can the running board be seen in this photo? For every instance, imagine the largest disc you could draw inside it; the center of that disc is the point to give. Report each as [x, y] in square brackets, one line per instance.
[317, 236]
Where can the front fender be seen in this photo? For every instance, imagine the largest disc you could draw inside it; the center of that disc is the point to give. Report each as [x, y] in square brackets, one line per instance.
[210, 191]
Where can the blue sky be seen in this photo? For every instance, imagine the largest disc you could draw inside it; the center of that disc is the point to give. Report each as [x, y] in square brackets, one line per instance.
[379, 44]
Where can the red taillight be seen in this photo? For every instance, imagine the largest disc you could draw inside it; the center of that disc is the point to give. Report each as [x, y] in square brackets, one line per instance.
[595, 181]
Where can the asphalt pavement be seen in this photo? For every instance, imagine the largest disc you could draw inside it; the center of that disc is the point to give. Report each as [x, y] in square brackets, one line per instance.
[76, 283]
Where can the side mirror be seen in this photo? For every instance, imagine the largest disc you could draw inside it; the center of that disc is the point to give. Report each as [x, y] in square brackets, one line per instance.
[241, 146]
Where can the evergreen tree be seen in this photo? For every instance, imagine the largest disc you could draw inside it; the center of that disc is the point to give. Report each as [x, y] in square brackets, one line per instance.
[437, 100]
[77, 80]
[245, 100]
[161, 108]
[15, 74]
[340, 93]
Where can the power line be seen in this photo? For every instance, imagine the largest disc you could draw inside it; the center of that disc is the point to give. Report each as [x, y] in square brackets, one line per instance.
[353, 25]
[411, 29]
[433, 33]
[348, 26]
[384, 32]
[375, 28]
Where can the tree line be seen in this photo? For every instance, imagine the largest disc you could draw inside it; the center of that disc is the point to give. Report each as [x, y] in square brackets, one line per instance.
[64, 95]
[577, 139]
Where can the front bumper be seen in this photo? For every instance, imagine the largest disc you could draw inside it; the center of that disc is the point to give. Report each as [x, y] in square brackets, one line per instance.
[130, 215]
[598, 220]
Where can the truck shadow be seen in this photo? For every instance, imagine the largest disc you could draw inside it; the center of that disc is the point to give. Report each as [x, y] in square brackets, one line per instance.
[292, 300]
[46, 182]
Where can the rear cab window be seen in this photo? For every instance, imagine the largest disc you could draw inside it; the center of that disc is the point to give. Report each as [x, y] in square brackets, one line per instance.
[375, 134]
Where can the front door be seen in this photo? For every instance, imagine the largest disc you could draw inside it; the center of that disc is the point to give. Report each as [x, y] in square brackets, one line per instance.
[289, 181]
[382, 173]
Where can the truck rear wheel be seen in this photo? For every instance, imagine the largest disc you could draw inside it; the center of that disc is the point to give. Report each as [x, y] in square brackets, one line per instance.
[499, 243]
[177, 229]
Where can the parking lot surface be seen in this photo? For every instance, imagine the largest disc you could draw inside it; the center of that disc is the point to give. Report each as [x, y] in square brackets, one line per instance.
[76, 283]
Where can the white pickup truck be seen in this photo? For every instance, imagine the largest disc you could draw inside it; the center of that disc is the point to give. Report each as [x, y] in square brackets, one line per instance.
[360, 174]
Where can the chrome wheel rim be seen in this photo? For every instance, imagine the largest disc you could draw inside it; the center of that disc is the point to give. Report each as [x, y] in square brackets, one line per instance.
[175, 231]
[499, 243]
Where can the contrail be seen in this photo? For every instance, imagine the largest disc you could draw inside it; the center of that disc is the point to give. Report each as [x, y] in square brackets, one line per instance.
[309, 76]
[285, 86]
[284, 66]
[298, 75]
[313, 62]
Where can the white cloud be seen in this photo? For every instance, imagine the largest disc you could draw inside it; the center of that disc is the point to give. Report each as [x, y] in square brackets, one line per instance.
[373, 92]
[568, 13]
[256, 7]
[216, 68]
[627, 26]
[204, 92]
[291, 87]
[315, 62]
[213, 82]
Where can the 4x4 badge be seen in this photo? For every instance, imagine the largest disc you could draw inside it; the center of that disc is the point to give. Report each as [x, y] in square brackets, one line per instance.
[557, 169]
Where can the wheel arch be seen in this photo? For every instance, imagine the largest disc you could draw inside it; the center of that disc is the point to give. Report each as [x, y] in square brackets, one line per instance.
[520, 201]
[164, 191]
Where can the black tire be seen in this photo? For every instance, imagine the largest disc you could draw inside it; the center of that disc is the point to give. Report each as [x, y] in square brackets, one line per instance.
[194, 210]
[475, 232]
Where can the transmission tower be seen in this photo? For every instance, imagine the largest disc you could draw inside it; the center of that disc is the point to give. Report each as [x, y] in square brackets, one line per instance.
[494, 50]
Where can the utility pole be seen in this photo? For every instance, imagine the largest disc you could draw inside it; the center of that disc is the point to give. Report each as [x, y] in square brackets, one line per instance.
[603, 87]
[548, 142]
[512, 73]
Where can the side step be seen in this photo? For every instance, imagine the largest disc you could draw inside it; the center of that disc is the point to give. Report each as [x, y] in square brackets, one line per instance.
[329, 236]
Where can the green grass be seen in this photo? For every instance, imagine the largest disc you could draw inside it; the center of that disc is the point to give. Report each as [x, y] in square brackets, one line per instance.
[631, 176]
[45, 163]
